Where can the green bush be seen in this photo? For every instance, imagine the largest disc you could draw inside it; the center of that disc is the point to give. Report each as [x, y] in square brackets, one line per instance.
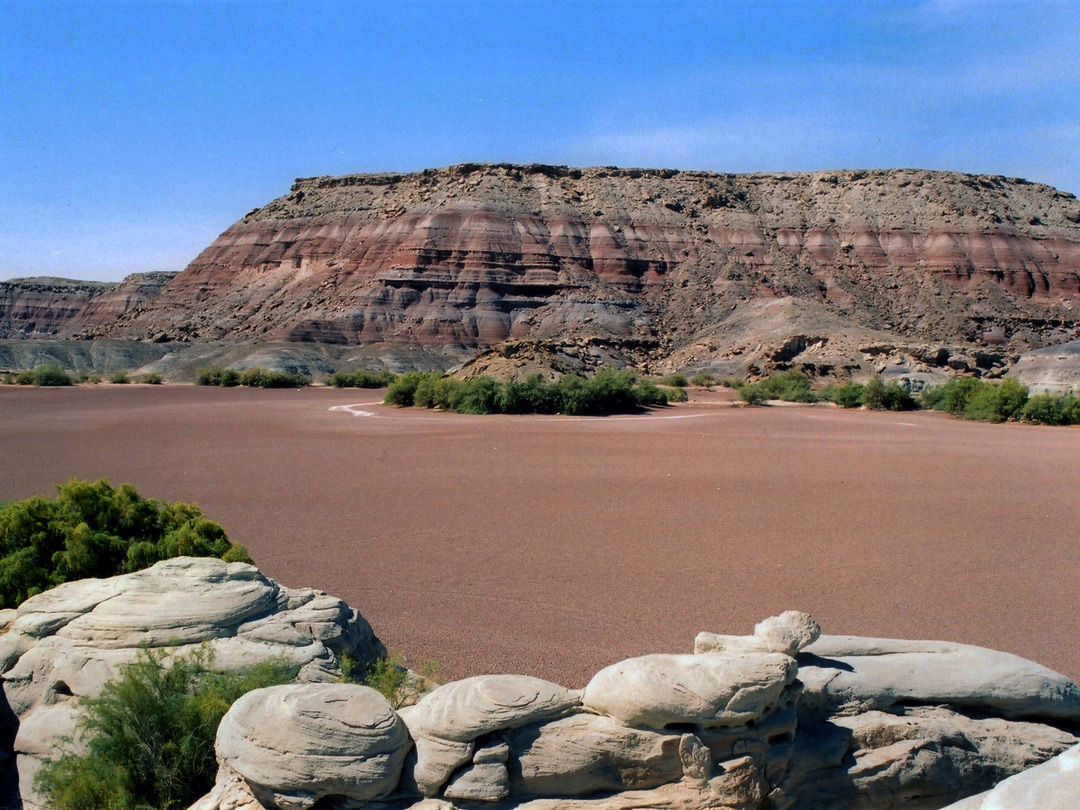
[217, 375]
[149, 735]
[97, 530]
[673, 381]
[50, 375]
[879, 396]
[753, 394]
[999, 402]
[676, 395]
[259, 377]
[702, 380]
[84, 377]
[1052, 409]
[153, 378]
[361, 379]
[848, 395]
[391, 678]
[608, 391]
[119, 378]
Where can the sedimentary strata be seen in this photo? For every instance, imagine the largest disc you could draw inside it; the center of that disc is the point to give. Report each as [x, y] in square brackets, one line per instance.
[833, 271]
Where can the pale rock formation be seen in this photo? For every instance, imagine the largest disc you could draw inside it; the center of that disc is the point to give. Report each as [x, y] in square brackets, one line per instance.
[447, 721]
[787, 633]
[847, 674]
[67, 642]
[709, 689]
[342, 740]
[1053, 785]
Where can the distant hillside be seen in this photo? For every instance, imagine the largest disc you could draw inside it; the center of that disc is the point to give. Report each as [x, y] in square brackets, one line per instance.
[834, 271]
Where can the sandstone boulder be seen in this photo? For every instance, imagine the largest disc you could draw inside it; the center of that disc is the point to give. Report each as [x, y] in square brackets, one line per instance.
[1053, 785]
[849, 674]
[787, 633]
[65, 643]
[710, 689]
[295, 744]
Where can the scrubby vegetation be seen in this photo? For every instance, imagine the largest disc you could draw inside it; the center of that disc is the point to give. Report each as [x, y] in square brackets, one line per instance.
[119, 378]
[153, 378]
[97, 530]
[149, 736]
[256, 377]
[1005, 401]
[703, 380]
[391, 678]
[608, 391]
[217, 375]
[673, 381]
[362, 379]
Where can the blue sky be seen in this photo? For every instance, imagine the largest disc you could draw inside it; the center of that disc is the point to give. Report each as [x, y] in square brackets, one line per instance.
[132, 133]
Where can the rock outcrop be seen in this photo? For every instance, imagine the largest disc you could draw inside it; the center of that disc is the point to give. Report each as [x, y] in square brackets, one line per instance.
[729, 728]
[832, 271]
[48, 307]
[65, 643]
[1054, 785]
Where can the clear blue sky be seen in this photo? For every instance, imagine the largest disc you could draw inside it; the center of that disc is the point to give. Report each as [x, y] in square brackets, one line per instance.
[132, 133]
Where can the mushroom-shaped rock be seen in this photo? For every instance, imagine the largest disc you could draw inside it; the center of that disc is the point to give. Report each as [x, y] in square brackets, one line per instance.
[850, 673]
[787, 633]
[297, 743]
[711, 689]
[447, 720]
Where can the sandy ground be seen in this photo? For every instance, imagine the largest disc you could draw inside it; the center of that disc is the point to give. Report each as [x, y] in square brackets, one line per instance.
[553, 546]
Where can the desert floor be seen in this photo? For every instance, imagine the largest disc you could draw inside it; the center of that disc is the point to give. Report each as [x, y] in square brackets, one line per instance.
[553, 545]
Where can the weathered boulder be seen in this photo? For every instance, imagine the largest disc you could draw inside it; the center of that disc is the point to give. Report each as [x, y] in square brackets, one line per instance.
[448, 719]
[710, 689]
[1053, 785]
[67, 642]
[295, 744]
[847, 674]
[916, 758]
[787, 633]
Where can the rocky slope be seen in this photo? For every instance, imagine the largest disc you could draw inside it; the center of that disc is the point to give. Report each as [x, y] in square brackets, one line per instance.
[666, 269]
[60, 308]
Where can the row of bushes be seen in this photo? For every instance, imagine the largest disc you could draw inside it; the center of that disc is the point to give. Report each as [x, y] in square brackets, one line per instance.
[256, 377]
[1007, 401]
[794, 386]
[51, 374]
[362, 379]
[608, 391]
[97, 530]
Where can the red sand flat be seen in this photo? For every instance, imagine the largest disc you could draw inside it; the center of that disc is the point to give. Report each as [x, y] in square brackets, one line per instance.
[553, 546]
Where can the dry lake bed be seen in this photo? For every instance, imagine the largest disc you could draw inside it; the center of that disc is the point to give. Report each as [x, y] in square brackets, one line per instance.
[554, 545]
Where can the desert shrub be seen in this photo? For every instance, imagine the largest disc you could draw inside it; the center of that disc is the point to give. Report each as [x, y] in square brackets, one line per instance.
[676, 395]
[753, 394]
[217, 375]
[149, 735]
[881, 396]
[92, 379]
[391, 678]
[702, 380]
[790, 386]
[999, 402]
[361, 379]
[97, 530]
[153, 378]
[848, 395]
[119, 378]
[50, 374]
[956, 394]
[933, 397]
[530, 395]
[402, 390]
[1052, 409]
[259, 377]
[673, 381]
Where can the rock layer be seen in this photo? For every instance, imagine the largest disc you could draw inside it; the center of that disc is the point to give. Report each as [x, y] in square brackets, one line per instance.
[678, 268]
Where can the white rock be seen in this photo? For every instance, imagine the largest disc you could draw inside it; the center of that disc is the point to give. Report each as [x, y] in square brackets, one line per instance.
[464, 710]
[787, 633]
[586, 754]
[482, 782]
[850, 674]
[295, 744]
[67, 642]
[711, 689]
[1054, 785]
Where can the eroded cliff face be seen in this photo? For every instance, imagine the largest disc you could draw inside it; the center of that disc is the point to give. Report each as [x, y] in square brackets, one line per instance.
[47, 307]
[670, 267]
